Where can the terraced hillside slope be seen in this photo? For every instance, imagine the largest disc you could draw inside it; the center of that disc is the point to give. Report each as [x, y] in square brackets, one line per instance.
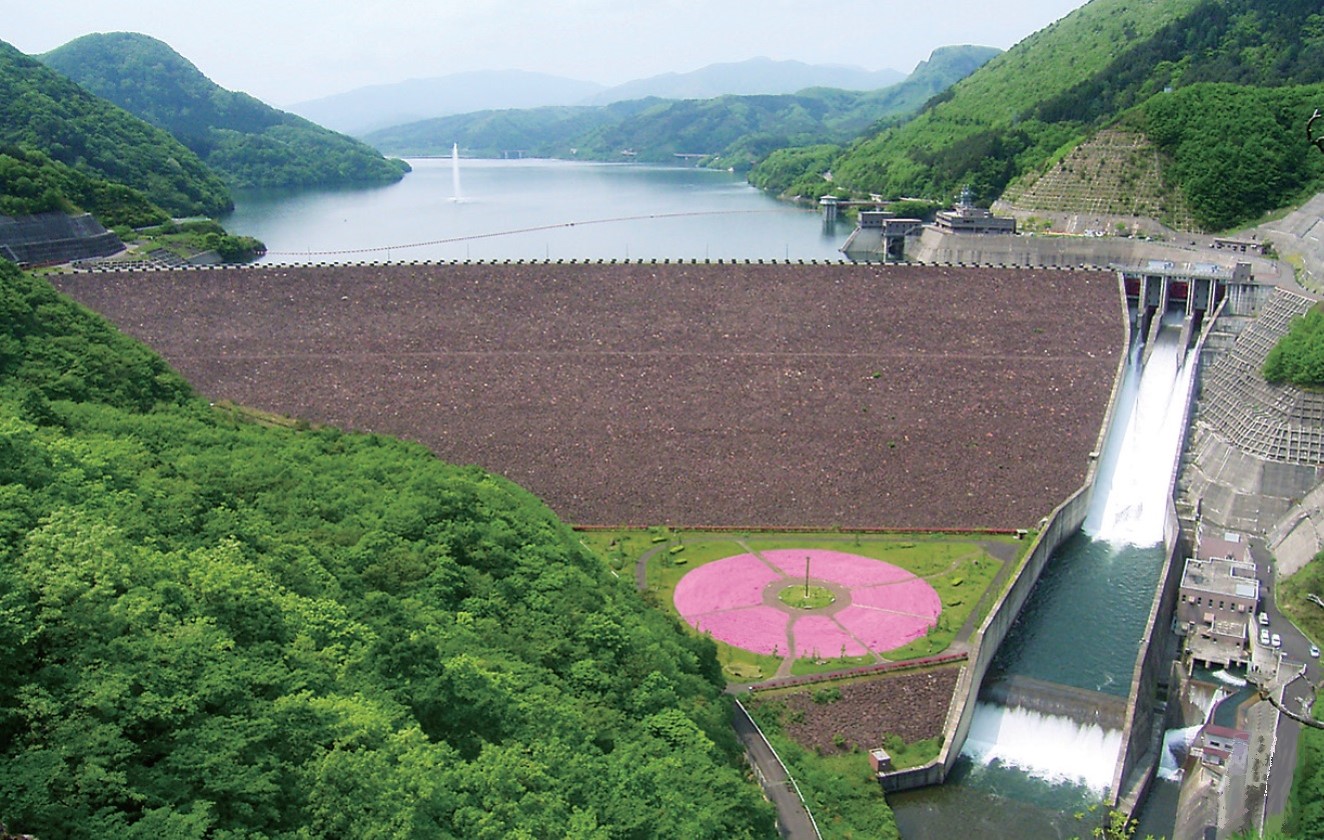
[694, 394]
[1114, 173]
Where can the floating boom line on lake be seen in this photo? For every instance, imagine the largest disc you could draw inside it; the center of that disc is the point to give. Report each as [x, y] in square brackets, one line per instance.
[534, 229]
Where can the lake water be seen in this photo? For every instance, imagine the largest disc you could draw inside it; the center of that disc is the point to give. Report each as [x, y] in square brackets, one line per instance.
[536, 210]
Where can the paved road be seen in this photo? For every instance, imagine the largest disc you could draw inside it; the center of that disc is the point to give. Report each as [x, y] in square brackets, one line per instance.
[792, 819]
[1295, 651]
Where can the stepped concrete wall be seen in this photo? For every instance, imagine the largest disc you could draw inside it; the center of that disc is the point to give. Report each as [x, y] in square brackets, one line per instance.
[1050, 698]
[55, 238]
[1256, 449]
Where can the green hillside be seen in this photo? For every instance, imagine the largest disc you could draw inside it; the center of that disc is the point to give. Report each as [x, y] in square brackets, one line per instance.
[551, 131]
[214, 628]
[248, 142]
[30, 182]
[732, 131]
[1025, 109]
[42, 111]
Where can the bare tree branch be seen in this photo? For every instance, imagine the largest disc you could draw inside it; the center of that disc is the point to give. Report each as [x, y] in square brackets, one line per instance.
[1266, 693]
[1317, 142]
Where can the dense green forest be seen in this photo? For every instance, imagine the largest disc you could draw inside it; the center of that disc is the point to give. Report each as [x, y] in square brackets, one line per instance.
[1298, 357]
[1238, 152]
[1022, 110]
[1305, 818]
[212, 628]
[30, 182]
[40, 110]
[732, 131]
[248, 142]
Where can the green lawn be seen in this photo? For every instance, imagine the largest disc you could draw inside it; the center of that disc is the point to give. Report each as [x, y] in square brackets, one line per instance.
[957, 566]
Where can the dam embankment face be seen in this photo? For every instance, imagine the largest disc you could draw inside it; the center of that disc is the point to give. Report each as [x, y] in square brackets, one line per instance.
[695, 394]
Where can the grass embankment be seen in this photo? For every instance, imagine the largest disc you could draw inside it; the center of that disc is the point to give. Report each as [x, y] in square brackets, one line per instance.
[824, 733]
[188, 239]
[840, 790]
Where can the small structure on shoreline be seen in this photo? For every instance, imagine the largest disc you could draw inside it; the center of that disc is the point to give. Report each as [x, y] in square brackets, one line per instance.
[965, 217]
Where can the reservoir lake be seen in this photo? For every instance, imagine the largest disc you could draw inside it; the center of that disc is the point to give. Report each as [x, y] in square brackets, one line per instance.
[536, 210]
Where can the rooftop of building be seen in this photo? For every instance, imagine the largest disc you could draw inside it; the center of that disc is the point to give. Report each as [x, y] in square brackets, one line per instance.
[1221, 576]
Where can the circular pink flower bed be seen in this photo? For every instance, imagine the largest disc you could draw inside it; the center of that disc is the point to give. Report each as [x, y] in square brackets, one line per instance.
[879, 606]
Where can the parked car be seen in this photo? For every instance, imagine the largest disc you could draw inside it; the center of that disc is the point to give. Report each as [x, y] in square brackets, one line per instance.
[1264, 619]
[1277, 640]
[1264, 637]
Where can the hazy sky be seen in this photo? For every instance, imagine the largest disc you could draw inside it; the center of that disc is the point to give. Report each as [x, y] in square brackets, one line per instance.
[287, 51]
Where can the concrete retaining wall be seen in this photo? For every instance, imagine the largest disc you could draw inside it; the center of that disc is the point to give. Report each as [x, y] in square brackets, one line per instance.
[1142, 737]
[55, 237]
[1002, 249]
[1061, 524]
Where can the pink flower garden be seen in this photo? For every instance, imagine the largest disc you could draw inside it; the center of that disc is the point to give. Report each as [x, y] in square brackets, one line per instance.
[879, 606]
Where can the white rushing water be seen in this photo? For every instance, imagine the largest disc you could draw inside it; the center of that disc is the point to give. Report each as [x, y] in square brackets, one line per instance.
[1053, 748]
[1132, 492]
[1129, 507]
[1176, 746]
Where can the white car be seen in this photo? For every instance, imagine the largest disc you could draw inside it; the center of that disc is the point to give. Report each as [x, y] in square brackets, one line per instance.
[1277, 640]
[1264, 637]
[1314, 651]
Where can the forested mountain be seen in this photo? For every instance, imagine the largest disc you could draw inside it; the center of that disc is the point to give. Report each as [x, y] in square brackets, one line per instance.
[1023, 110]
[378, 107]
[733, 130]
[214, 628]
[30, 182]
[44, 112]
[248, 142]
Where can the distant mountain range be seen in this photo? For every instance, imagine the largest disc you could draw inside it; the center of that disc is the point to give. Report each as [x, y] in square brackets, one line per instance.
[366, 109]
[730, 130]
[361, 111]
